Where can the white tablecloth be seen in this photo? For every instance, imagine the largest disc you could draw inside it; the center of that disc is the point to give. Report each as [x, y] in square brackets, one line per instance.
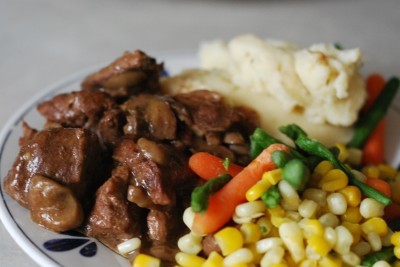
[43, 41]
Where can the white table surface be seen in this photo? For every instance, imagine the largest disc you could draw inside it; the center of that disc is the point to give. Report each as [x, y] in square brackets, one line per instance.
[43, 41]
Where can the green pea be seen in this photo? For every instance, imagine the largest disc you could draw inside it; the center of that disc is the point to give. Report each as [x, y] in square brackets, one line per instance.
[296, 174]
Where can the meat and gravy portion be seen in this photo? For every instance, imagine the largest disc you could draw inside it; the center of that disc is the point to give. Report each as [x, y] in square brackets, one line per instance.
[112, 157]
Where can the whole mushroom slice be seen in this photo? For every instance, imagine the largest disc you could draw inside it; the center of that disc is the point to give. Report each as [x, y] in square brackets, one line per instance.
[53, 205]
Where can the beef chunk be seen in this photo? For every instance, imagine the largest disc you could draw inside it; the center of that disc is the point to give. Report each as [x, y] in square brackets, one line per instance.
[159, 224]
[157, 168]
[110, 126]
[130, 74]
[71, 157]
[27, 134]
[113, 218]
[76, 109]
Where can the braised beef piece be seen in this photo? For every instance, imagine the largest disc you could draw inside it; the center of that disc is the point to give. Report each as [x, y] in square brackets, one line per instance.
[71, 157]
[157, 168]
[27, 134]
[113, 219]
[133, 73]
[110, 126]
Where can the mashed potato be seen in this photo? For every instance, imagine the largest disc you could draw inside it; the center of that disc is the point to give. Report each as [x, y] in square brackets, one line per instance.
[319, 88]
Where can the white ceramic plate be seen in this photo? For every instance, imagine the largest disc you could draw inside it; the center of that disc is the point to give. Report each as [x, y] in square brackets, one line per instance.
[53, 249]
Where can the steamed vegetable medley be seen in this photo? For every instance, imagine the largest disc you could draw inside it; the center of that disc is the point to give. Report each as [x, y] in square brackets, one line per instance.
[299, 204]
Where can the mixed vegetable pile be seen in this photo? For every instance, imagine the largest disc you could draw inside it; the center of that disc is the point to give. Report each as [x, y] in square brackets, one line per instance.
[302, 204]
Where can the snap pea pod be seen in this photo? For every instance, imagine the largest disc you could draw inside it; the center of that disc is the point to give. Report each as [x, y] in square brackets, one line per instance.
[272, 197]
[315, 148]
[379, 108]
[261, 140]
[201, 194]
[386, 254]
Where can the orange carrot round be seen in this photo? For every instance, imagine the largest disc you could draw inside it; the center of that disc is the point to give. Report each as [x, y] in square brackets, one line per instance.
[380, 185]
[208, 166]
[223, 203]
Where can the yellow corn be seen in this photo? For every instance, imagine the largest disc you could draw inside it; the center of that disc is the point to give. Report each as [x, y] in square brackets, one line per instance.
[311, 227]
[277, 220]
[343, 153]
[143, 260]
[229, 239]
[273, 177]
[292, 238]
[371, 171]
[308, 263]
[253, 248]
[278, 211]
[189, 260]
[395, 239]
[352, 215]
[319, 245]
[355, 156]
[355, 230]
[330, 261]
[320, 170]
[375, 224]
[396, 264]
[251, 232]
[352, 194]
[333, 180]
[265, 226]
[240, 256]
[214, 260]
[308, 208]
[396, 251]
[281, 264]
[386, 171]
[256, 191]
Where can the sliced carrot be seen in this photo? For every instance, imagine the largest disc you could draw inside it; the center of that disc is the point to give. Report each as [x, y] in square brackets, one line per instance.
[374, 147]
[375, 84]
[380, 185]
[223, 203]
[208, 166]
[392, 212]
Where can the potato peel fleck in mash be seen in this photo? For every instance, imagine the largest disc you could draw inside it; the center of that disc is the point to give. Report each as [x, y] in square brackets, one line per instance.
[320, 87]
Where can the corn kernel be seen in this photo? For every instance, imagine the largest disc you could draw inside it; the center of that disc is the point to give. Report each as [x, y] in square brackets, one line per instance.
[375, 224]
[265, 226]
[273, 177]
[386, 171]
[396, 264]
[289, 194]
[386, 239]
[352, 215]
[256, 256]
[277, 211]
[274, 255]
[362, 248]
[355, 156]
[281, 264]
[249, 209]
[396, 251]
[343, 241]
[229, 239]
[320, 170]
[190, 243]
[374, 241]
[263, 245]
[330, 236]
[319, 245]
[189, 260]
[336, 203]
[351, 259]
[355, 230]
[371, 171]
[256, 191]
[369, 208]
[292, 237]
[308, 208]
[293, 215]
[330, 261]
[333, 180]
[381, 263]
[352, 194]
[315, 194]
[395, 239]
[329, 220]
[240, 256]
[213, 260]
[277, 221]
[308, 263]
[251, 232]
[343, 153]
[311, 227]
[143, 260]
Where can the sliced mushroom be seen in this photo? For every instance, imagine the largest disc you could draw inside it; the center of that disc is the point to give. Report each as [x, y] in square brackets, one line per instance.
[53, 205]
